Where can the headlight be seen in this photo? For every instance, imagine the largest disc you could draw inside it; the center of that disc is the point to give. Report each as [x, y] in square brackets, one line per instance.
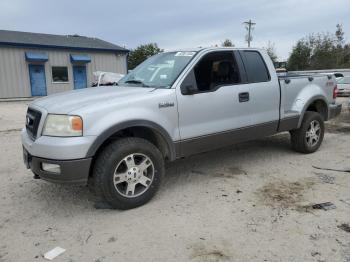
[63, 125]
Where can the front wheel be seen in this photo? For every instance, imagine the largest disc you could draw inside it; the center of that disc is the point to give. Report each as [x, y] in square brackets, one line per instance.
[128, 172]
[308, 138]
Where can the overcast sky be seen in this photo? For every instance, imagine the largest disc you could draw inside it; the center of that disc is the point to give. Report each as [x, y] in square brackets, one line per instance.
[181, 23]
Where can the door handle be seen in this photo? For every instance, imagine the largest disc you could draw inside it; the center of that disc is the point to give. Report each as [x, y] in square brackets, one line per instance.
[243, 97]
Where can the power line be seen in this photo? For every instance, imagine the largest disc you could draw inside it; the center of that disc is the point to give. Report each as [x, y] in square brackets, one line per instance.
[249, 26]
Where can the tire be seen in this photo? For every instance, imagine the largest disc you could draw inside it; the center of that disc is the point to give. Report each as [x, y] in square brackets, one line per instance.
[301, 137]
[128, 172]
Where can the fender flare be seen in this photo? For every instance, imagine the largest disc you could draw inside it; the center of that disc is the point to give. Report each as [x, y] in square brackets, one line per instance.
[128, 124]
[310, 101]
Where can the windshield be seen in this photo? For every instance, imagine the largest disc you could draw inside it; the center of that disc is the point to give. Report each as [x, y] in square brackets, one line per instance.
[344, 80]
[160, 70]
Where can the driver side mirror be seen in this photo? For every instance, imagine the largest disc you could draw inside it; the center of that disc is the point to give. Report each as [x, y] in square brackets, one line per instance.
[188, 90]
[189, 86]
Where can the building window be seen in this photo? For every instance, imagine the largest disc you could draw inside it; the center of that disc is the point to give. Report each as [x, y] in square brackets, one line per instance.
[59, 74]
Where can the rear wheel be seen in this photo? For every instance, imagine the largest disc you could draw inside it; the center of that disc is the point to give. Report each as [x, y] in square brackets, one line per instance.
[308, 138]
[128, 172]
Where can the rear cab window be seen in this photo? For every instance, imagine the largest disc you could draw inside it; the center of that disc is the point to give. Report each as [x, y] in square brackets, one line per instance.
[255, 66]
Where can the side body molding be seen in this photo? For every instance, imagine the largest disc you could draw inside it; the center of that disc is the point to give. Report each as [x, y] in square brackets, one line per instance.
[128, 124]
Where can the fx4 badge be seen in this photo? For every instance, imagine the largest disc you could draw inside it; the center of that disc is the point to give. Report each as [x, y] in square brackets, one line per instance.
[165, 104]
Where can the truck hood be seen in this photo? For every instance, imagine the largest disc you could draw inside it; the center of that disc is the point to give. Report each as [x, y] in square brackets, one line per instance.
[63, 103]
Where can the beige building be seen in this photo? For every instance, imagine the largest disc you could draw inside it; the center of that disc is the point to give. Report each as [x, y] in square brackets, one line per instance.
[34, 64]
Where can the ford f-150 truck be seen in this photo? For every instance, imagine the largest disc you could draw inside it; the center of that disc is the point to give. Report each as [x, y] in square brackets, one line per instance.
[173, 105]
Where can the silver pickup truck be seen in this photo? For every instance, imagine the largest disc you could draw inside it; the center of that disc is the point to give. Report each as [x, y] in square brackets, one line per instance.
[173, 105]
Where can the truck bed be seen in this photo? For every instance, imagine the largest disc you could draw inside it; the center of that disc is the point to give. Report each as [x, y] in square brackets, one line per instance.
[296, 90]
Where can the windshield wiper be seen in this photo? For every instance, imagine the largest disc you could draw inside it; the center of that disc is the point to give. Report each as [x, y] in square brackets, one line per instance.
[136, 82]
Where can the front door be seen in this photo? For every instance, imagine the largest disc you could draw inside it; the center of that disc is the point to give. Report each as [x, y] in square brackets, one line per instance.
[37, 80]
[79, 74]
[214, 108]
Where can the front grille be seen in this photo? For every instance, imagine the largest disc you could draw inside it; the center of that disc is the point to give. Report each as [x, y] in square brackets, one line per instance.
[32, 122]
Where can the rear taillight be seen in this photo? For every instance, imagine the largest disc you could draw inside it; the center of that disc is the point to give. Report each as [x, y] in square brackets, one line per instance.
[335, 91]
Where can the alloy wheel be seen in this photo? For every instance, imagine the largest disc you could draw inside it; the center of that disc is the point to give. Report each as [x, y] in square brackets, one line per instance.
[313, 133]
[133, 175]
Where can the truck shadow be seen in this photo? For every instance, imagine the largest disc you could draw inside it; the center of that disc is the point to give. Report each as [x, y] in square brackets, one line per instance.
[228, 162]
[234, 160]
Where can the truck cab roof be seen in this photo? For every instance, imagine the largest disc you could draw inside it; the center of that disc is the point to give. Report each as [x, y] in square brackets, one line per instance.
[214, 48]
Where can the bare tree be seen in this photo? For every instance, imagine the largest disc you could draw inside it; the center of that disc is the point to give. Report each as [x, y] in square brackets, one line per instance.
[227, 43]
[271, 50]
[339, 34]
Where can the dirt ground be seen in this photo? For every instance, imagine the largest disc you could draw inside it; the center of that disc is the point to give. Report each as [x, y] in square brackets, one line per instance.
[248, 202]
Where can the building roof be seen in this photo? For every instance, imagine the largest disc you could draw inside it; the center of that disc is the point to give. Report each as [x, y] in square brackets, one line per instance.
[26, 39]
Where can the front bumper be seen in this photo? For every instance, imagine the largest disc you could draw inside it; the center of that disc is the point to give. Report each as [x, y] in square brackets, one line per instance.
[68, 153]
[71, 171]
[64, 148]
[334, 110]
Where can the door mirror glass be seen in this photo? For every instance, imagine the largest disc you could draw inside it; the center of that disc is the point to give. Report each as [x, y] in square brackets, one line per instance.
[189, 86]
[188, 90]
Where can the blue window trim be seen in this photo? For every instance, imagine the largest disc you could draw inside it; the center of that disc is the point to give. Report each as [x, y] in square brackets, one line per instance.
[80, 59]
[36, 57]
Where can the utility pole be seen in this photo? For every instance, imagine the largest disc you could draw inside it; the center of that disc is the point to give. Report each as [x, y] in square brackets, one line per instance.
[249, 26]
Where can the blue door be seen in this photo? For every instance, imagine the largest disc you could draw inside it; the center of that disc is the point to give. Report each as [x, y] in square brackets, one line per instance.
[37, 80]
[79, 74]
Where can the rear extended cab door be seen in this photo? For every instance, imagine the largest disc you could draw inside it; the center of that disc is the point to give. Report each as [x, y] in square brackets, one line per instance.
[262, 85]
